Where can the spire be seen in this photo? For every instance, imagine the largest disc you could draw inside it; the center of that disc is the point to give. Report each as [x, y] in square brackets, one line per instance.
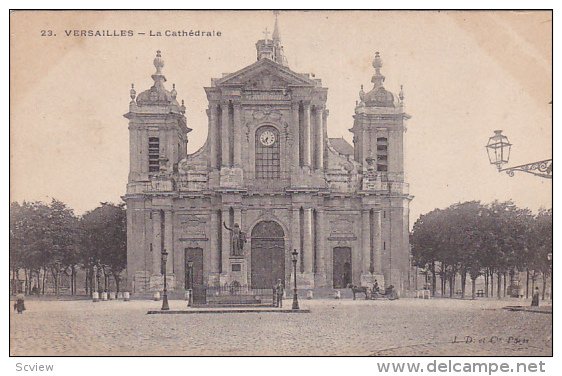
[378, 78]
[276, 37]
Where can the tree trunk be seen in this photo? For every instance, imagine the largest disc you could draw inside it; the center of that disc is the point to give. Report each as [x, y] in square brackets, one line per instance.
[499, 285]
[43, 282]
[527, 285]
[543, 284]
[504, 284]
[116, 278]
[452, 285]
[434, 280]
[533, 278]
[486, 282]
[474, 288]
[72, 280]
[463, 283]
[491, 283]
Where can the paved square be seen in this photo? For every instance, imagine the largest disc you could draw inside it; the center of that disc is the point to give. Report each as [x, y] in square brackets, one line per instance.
[334, 327]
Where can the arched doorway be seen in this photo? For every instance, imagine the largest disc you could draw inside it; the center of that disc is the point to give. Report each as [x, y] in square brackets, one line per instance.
[268, 255]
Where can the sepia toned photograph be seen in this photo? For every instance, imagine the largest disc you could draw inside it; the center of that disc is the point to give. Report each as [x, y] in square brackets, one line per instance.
[281, 183]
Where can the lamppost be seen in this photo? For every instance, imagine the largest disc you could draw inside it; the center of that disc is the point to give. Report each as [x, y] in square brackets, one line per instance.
[295, 298]
[165, 306]
[190, 271]
[499, 148]
[549, 257]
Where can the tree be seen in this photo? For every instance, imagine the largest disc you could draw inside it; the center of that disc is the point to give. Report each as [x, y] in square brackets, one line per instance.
[469, 239]
[104, 242]
[540, 246]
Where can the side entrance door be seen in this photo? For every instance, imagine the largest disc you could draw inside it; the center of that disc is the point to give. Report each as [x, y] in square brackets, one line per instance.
[342, 267]
[194, 275]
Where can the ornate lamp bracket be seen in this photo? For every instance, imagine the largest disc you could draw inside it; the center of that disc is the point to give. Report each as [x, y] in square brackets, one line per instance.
[540, 168]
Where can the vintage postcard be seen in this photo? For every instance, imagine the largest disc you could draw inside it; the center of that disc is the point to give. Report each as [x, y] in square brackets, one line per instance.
[340, 183]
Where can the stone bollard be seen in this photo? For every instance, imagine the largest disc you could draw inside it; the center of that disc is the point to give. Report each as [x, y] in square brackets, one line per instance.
[104, 296]
[126, 296]
[110, 296]
[309, 294]
[120, 295]
[157, 296]
[95, 297]
[337, 294]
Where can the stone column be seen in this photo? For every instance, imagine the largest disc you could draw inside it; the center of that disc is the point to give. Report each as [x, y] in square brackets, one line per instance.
[365, 242]
[225, 239]
[369, 150]
[308, 249]
[237, 136]
[169, 241]
[295, 232]
[321, 246]
[377, 239]
[213, 134]
[156, 242]
[319, 139]
[296, 152]
[214, 245]
[306, 135]
[225, 140]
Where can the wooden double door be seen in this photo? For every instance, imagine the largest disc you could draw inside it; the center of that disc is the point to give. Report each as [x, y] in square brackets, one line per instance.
[268, 255]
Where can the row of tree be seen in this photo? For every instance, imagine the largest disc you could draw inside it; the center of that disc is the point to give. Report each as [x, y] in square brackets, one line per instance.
[50, 240]
[471, 239]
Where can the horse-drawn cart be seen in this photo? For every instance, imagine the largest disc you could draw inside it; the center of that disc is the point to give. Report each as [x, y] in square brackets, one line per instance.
[373, 294]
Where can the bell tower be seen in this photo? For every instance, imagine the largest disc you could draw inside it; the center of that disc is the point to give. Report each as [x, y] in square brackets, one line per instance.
[157, 129]
[378, 138]
[157, 142]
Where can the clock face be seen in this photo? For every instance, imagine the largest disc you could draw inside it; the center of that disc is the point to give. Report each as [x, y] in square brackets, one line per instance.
[267, 138]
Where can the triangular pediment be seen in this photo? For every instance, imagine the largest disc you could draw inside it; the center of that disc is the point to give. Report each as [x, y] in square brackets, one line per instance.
[265, 73]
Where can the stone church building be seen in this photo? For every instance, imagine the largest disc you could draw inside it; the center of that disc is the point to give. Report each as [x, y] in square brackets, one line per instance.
[267, 180]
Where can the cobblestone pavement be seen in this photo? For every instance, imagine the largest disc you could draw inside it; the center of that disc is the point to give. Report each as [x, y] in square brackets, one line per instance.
[334, 327]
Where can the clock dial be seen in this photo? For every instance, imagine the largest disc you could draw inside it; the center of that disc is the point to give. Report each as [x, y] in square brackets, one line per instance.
[267, 138]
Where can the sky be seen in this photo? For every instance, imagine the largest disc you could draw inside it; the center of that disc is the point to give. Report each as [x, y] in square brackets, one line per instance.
[464, 74]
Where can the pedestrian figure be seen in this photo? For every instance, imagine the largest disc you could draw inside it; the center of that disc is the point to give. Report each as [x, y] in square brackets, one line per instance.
[279, 289]
[19, 306]
[376, 287]
[535, 301]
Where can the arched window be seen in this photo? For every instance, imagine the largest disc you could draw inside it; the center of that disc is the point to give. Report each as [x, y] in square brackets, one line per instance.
[268, 163]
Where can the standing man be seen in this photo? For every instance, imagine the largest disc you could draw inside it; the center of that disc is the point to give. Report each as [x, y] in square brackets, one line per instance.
[279, 289]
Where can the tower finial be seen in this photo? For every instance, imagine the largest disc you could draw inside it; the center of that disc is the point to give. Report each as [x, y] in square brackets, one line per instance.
[158, 62]
[378, 78]
[265, 34]
[133, 92]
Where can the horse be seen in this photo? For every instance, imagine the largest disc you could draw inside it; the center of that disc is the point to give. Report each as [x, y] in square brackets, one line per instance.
[359, 290]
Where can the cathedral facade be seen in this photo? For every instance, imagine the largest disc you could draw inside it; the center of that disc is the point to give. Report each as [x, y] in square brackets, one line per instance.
[267, 181]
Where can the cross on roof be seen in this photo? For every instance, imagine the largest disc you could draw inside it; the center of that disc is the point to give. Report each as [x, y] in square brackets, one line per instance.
[266, 33]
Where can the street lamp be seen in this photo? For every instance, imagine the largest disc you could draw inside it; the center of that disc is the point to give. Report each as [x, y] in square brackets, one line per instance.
[549, 257]
[165, 306]
[499, 149]
[295, 298]
[190, 289]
